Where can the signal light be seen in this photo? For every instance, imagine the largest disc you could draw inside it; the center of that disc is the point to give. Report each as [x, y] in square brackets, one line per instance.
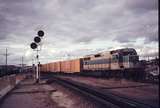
[40, 33]
[33, 45]
[37, 39]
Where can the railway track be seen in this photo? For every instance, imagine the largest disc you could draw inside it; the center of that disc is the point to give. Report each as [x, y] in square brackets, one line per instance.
[108, 99]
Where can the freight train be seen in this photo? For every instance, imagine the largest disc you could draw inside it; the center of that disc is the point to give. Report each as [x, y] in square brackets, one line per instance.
[116, 63]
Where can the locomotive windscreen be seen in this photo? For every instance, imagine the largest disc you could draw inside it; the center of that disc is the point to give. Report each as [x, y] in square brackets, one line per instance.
[125, 55]
[133, 58]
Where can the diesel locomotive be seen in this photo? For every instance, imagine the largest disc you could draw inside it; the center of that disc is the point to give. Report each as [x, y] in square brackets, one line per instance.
[116, 63]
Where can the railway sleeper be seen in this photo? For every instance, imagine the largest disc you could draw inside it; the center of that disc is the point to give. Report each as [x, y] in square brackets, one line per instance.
[121, 102]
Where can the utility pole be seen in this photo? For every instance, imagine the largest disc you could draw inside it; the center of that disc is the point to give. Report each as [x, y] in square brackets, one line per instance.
[6, 60]
[32, 65]
[37, 73]
[6, 55]
[22, 64]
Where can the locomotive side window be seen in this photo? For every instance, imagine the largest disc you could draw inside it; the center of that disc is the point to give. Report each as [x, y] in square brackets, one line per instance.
[120, 58]
[99, 61]
[85, 63]
[133, 58]
[125, 58]
[115, 58]
[88, 58]
[130, 58]
[97, 55]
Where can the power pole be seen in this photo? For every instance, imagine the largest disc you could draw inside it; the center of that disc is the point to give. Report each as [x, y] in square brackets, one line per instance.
[33, 66]
[32, 61]
[6, 54]
[22, 64]
[148, 58]
[6, 60]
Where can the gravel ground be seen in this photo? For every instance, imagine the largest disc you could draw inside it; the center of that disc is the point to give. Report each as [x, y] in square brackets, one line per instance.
[143, 92]
[71, 99]
[30, 95]
[108, 83]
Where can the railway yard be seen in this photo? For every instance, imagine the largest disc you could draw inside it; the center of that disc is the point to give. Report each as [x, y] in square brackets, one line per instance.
[143, 92]
[79, 54]
[27, 94]
[112, 79]
[57, 91]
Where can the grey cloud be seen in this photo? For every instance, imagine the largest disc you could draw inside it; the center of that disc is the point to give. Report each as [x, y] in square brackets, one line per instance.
[153, 54]
[5, 26]
[84, 39]
[71, 22]
[152, 35]
[151, 38]
[125, 38]
[145, 26]
[140, 6]
[78, 5]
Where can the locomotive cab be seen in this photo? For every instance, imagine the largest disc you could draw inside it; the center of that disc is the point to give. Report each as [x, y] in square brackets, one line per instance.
[124, 58]
[130, 59]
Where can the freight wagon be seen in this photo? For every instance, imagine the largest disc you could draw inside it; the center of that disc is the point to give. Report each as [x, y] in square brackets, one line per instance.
[115, 63]
[69, 66]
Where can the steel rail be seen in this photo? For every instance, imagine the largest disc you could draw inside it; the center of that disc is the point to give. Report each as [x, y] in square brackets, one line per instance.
[108, 99]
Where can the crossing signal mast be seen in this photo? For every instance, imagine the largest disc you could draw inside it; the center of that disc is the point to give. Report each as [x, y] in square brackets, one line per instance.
[36, 46]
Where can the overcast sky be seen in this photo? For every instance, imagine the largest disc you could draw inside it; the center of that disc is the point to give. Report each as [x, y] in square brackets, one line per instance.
[74, 28]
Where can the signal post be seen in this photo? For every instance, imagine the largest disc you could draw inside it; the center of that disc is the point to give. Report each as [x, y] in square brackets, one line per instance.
[36, 46]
